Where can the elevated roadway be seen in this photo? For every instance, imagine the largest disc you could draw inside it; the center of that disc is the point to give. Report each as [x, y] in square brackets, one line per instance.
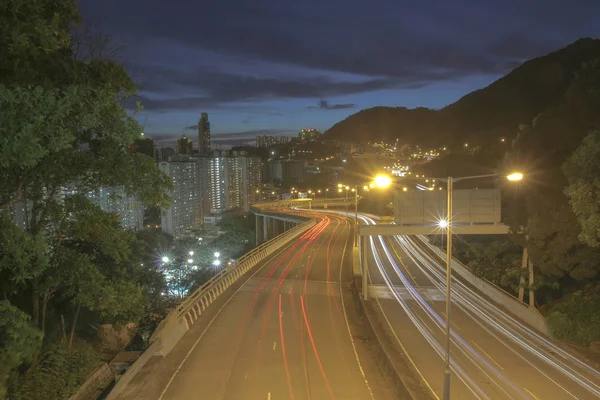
[289, 331]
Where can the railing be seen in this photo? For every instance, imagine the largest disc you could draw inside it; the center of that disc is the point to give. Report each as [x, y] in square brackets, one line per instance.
[224, 278]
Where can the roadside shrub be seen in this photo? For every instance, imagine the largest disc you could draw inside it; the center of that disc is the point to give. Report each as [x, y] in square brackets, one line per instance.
[576, 319]
[58, 374]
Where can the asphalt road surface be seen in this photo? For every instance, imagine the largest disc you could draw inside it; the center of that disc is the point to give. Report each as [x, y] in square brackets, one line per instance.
[494, 355]
[283, 335]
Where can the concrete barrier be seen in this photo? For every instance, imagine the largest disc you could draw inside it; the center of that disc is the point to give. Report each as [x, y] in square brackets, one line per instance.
[529, 315]
[180, 319]
[92, 388]
[380, 348]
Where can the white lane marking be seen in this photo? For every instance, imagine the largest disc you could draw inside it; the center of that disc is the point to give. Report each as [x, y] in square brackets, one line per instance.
[274, 345]
[269, 396]
[246, 376]
[362, 372]
[215, 317]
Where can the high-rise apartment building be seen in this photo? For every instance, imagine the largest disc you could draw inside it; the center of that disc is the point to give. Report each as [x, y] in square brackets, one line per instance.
[144, 145]
[267, 141]
[288, 172]
[184, 145]
[309, 135]
[204, 134]
[129, 209]
[185, 213]
[252, 183]
[166, 152]
[232, 179]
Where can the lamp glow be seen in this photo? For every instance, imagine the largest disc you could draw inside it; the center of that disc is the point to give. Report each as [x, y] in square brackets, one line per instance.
[515, 176]
[217, 254]
[216, 263]
[190, 261]
[442, 223]
[165, 259]
[382, 181]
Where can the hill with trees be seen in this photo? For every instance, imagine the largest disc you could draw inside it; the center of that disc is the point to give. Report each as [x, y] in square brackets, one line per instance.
[481, 116]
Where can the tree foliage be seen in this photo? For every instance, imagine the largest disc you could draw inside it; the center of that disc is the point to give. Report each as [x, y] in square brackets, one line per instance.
[552, 229]
[58, 374]
[583, 172]
[18, 340]
[64, 133]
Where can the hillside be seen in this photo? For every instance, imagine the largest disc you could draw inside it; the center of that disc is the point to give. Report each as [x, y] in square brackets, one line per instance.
[482, 115]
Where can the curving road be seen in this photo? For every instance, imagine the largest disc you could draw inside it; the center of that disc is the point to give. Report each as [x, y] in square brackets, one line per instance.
[286, 333]
[495, 356]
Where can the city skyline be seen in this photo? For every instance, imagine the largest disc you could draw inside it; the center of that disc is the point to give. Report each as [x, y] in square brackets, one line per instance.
[273, 69]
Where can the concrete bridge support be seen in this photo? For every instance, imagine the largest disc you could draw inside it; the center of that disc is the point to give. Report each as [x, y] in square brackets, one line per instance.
[260, 237]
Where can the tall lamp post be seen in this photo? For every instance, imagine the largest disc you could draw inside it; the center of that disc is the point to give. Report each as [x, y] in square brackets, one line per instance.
[381, 182]
[447, 224]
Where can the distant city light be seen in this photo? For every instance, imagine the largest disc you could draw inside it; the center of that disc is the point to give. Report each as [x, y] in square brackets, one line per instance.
[216, 263]
[442, 223]
[191, 253]
[165, 259]
[217, 254]
[190, 261]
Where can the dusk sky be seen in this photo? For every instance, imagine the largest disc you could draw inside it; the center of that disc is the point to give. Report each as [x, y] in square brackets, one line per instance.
[278, 66]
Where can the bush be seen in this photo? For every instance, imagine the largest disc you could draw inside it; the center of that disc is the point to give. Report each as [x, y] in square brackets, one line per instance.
[576, 319]
[18, 341]
[58, 374]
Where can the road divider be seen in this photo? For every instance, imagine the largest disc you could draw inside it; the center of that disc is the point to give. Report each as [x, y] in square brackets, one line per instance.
[381, 350]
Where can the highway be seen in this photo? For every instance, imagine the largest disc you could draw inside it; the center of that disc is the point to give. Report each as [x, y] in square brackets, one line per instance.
[494, 356]
[286, 333]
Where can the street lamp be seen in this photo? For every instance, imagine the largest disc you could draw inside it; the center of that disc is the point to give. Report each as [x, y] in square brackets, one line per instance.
[217, 254]
[165, 259]
[447, 223]
[191, 253]
[382, 181]
[515, 176]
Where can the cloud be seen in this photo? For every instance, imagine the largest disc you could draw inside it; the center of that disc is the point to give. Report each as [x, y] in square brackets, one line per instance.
[387, 38]
[193, 90]
[324, 105]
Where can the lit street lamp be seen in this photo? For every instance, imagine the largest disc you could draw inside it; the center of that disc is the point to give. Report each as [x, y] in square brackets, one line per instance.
[447, 224]
[217, 254]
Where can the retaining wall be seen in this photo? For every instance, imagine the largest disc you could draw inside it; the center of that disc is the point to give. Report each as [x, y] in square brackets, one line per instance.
[527, 314]
[380, 348]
